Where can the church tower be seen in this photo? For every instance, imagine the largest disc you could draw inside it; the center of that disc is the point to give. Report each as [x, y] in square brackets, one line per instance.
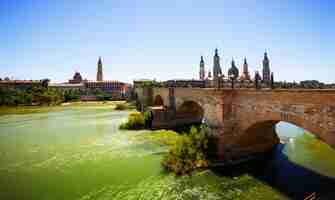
[99, 72]
[245, 75]
[202, 69]
[217, 72]
[233, 71]
[266, 69]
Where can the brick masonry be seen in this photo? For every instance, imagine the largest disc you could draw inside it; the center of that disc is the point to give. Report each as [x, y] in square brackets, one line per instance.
[244, 119]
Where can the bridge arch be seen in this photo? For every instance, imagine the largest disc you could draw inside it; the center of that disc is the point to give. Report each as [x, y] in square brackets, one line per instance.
[261, 136]
[211, 106]
[158, 101]
[190, 112]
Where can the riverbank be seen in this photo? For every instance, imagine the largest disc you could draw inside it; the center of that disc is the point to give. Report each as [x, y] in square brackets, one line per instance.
[5, 110]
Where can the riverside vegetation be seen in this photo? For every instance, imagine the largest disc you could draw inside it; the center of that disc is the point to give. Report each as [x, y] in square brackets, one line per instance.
[136, 121]
[37, 95]
[187, 151]
[43, 95]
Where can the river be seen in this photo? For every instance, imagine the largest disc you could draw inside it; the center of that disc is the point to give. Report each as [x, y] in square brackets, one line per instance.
[78, 152]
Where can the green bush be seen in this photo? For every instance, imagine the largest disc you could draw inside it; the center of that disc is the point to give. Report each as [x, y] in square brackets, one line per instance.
[121, 106]
[135, 121]
[188, 153]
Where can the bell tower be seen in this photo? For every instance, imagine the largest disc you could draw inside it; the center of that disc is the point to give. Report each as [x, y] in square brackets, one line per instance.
[99, 72]
[202, 69]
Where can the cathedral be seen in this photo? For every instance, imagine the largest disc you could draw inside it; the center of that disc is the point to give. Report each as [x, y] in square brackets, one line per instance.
[233, 73]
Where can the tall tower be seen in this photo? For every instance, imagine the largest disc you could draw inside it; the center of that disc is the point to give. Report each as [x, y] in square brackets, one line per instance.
[99, 72]
[202, 69]
[266, 69]
[217, 72]
[233, 71]
[246, 75]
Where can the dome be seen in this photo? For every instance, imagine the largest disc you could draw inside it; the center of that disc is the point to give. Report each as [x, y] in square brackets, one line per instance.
[233, 71]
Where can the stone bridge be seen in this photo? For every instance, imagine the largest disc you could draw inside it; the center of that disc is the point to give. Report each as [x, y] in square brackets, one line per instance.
[244, 119]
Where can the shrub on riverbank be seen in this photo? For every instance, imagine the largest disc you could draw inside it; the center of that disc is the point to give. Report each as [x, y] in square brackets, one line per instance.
[124, 106]
[135, 121]
[121, 106]
[188, 153]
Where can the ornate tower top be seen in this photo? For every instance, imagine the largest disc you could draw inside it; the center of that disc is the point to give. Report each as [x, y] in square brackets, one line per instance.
[266, 68]
[209, 74]
[233, 71]
[202, 69]
[245, 75]
[217, 72]
[99, 71]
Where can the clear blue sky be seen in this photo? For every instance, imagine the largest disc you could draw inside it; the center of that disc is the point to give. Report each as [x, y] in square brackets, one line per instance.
[165, 39]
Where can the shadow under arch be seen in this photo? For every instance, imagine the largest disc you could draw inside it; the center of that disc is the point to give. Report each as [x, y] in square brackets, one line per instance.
[277, 169]
[158, 101]
[189, 112]
[261, 136]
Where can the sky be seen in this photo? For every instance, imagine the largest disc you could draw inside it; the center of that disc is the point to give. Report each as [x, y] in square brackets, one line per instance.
[165, 39]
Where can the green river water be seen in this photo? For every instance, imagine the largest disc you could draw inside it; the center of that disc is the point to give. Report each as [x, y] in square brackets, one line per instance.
[77, 152]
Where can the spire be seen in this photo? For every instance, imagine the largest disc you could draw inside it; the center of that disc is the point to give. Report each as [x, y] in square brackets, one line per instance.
[99, 71]
[245, 73]
[217, 72]
[265, 55]
[202, 69]
[266, 69]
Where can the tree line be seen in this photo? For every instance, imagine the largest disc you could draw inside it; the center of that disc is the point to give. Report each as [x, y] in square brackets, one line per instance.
[36, 95]
[41, 94]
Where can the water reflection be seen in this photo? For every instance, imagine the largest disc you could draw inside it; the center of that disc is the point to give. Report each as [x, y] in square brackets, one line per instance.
[301, 166]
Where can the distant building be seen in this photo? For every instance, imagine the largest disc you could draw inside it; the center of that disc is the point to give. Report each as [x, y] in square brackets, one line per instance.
[99, 71]
[116, 89]
[68, 86]
[245, 73]
[217, 72]
[106, 86]
[76, 79]
[202, 69]
[233, 71]
[19, 84]
[266, 69]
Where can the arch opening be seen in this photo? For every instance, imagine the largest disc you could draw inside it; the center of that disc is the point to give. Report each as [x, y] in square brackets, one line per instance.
[189, 112]
[265, 135]
[158, 101]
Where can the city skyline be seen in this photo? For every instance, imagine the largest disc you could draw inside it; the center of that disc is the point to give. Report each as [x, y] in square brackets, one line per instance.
[146, 39]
